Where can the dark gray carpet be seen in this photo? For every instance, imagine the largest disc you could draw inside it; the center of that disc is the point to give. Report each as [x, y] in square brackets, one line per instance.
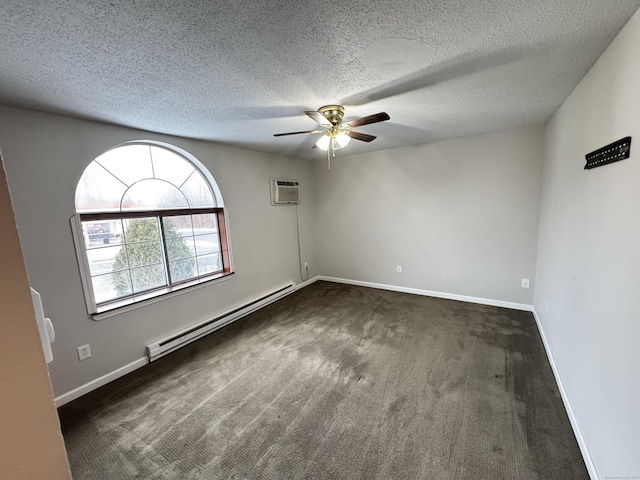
[337, 382]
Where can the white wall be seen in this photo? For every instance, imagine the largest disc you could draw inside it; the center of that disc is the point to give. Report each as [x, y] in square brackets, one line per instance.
[589, 257]
[460, 216]
[45, 156]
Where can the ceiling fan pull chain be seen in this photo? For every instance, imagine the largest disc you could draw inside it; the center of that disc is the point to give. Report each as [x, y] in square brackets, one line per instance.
[329, 159]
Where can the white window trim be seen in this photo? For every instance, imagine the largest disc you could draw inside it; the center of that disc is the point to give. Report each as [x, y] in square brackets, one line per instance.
[81, 253]
[132, 303]
[160, 296]
[154, 296]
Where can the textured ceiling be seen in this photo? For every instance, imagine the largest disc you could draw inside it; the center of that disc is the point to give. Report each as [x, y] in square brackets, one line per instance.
[237, 72]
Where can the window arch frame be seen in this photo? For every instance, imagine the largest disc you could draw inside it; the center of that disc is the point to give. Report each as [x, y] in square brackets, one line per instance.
[105, 309]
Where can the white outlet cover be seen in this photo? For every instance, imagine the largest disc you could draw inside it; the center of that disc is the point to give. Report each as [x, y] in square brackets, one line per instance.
[525, 283]
[84, 352]
[399, 269]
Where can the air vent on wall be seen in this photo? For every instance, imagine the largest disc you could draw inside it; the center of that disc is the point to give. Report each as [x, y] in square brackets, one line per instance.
[284, 191]
[613, 152]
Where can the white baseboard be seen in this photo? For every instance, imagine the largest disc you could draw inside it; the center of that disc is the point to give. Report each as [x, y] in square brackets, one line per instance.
[99, 382]
[307, 283]
[591, 468]
[430, 293]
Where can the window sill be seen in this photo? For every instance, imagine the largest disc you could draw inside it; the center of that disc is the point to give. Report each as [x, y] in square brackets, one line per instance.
[149, 298]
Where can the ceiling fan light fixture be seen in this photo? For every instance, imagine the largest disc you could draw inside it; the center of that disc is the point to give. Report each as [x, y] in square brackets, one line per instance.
[337, 135]
[335, 142]
[342, 139]
[323, 142]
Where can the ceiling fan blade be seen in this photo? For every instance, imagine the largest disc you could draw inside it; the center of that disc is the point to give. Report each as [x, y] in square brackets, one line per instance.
[375, 118]
[318, 117]
[295, 133]
[361, 136]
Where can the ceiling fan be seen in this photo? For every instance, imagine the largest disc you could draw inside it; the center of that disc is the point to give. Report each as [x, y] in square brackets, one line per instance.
[337, 135]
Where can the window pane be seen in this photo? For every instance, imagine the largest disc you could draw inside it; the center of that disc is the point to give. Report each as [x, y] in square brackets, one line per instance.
[129, 163]
[111, 286]
[146, 278]
[98, 191]
[180, 248]
[197, 191]
[179, 237]
[101, 260]
[98, 234]
[183, 269]
[144, 253]
[142, 237]
[153, 194]
[170, 166]
[209, 264]
[141, 230]
[207, 221]
[206, 244]
[181, 224]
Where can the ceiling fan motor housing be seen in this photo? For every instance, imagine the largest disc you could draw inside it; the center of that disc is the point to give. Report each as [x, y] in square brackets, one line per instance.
[333, 113]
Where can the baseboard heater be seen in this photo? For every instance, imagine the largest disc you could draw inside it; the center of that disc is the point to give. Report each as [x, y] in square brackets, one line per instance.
[160, 348]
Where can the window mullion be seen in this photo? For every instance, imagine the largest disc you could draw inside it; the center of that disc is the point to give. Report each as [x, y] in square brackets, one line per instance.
[165, 250]
[125, 245]
[146, 213]
[195, 252]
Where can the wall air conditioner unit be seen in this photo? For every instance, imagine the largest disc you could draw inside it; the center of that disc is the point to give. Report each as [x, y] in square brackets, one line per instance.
[284, 191]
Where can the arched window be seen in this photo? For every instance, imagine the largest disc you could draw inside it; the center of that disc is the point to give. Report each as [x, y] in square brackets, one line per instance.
[149, 221]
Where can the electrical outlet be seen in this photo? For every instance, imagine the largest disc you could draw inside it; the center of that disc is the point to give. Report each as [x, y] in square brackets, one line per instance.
[306, 265]
[546, 307]
[399, 269]
[84, 352]
[525, 283]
